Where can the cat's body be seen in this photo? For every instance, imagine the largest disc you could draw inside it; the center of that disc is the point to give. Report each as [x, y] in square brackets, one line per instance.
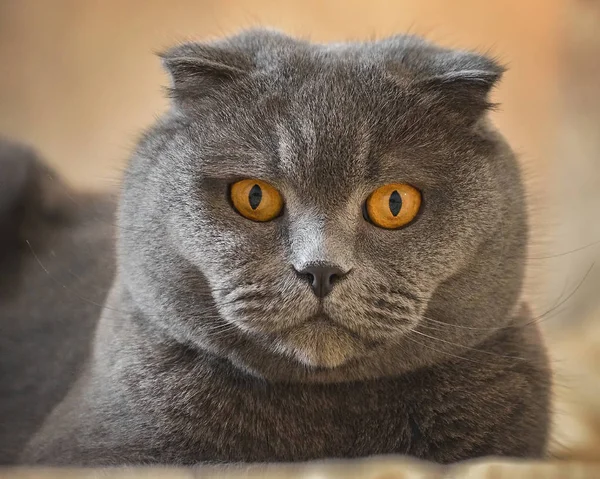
[212, 346]
[185, 408]
[56, 266]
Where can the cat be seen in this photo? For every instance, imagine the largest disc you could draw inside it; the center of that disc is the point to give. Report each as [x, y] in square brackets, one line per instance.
[56, 261]
[320, 253]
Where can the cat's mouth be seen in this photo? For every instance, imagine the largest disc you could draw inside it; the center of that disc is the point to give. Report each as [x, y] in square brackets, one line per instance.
[322, 342]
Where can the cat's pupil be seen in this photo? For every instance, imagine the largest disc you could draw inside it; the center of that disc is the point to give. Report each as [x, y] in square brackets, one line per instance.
[395, 203]
[255, 196]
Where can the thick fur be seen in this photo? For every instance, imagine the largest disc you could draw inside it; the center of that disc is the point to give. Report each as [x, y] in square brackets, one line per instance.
[211, 348]
[56, 265]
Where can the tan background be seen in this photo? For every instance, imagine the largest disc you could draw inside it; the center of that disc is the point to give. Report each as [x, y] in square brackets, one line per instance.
[79, 81]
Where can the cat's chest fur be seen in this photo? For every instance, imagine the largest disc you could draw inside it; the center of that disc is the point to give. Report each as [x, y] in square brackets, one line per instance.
[253, 420]
[147, 402]
[191, 408]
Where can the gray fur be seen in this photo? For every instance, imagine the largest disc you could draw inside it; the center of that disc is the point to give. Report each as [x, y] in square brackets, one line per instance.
[211, 348]
[56, 265]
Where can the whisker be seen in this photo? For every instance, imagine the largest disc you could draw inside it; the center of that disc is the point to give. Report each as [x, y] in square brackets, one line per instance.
[461, 326]
[585, 276]
[562, 293]
[64, 286]
[467, 347]
[213, 333]
[440, 351]
[557, 304]
[223, 325]
[90, 301]
[565, 253]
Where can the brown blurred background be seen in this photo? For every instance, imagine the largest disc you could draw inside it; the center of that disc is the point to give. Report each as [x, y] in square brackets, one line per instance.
[79, 81]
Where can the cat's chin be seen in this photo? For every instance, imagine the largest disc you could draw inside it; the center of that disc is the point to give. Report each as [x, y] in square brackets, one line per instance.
[320, 343]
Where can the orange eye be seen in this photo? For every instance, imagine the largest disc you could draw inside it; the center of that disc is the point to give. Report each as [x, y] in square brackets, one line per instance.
[392, 206]
[256, 200]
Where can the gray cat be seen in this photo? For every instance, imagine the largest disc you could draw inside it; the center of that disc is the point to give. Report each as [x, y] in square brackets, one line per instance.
[320, 254]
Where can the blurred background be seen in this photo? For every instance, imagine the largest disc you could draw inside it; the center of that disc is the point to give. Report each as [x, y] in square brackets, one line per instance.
[79, 81]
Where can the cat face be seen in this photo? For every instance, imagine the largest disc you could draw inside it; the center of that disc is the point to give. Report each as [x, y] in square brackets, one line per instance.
[317, 282]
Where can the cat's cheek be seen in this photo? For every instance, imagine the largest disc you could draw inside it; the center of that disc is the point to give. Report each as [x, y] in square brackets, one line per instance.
[264, 301]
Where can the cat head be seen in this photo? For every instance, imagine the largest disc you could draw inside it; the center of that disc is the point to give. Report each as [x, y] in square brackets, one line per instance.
[324, 211]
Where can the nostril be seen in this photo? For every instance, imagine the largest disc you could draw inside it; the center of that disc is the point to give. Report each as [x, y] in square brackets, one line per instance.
[305, 275]
[321, 277]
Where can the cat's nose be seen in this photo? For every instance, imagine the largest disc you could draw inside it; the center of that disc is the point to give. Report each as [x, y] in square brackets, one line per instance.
[322, 277]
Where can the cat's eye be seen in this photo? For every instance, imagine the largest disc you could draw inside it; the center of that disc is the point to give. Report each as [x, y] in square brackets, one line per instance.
[393, 206]
[256, 200]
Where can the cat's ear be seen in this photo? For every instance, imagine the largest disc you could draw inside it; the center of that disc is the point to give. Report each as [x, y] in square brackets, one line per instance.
[462, 82]
[457, 81]
[197, 69]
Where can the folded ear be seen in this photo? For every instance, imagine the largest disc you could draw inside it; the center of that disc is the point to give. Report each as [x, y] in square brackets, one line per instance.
[197, 69]
[463, 82]
[458, 81]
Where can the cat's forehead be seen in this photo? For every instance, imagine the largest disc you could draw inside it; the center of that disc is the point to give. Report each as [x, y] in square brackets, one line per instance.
[318, 111]
[323, 141]
[317, 127]
[324, 135]
[329, 121]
